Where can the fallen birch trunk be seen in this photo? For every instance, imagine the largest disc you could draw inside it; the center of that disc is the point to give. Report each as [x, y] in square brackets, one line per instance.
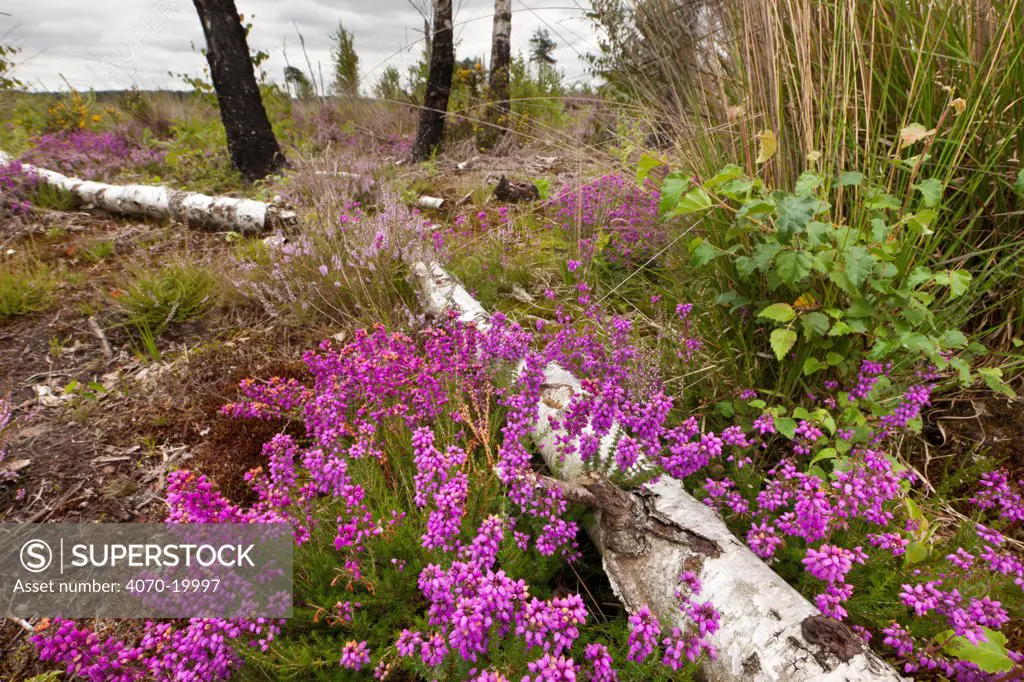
[648, 537]
[196, 210]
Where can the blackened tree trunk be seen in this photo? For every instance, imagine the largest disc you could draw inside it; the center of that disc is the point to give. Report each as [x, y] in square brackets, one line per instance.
[251, 142]
[439, 83]
[501, 56]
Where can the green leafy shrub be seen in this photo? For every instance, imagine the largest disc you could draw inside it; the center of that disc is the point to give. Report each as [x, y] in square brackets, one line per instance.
[834, 272]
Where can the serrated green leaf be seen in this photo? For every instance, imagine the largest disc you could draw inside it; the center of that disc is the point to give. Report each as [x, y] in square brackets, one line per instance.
[959, 281]
[993, 377]
[745, 266]
[954, 338]
[793, 266]
[697, 199]
[725, 408]
[818, 232]
[877, 200]
[922, 220]
[815, 324]
[644, 166]
[1019, 185]
[879, 230]
[786, 426]
[782, 341]
[754, 207]
[840, 329]
[859, 264]
[671, 190]
[730, 172]
[850, 178]
[738, 189]
[834, 359]
[807, 183]
[919, 275]
[704, 253]
[812, 365]
[794, 213]
[961, 366]
[931, 191]
[764, 254]
[780, 312]
[825, 453]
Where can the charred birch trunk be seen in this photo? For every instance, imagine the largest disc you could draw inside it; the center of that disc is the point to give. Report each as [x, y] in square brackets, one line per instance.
[648, 537]
[501, 57]
[499, 111]
[439, 83]
[251, 142]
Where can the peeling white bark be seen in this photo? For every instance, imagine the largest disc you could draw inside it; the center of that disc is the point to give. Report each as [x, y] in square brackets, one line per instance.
[430, 202]
[197, 210]
[647, 538]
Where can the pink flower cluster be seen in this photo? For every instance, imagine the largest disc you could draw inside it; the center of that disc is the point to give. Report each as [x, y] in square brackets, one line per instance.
[615, 205]
[92, 155]
[16, 186]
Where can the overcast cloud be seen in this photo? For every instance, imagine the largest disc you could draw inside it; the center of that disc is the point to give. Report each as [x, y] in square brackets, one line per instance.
[114, 44]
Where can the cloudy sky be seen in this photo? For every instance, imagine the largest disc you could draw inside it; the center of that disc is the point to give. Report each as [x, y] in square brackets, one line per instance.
[113, 44]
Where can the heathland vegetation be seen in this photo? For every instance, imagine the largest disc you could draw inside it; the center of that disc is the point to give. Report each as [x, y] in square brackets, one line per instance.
[777, 243]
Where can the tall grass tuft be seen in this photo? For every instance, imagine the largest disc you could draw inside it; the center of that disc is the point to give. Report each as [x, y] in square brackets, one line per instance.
[848, 85]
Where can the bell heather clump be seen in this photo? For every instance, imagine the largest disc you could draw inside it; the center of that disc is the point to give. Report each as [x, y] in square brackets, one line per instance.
[831, 502]
[612, 205]
[92, 155]
[16, 186]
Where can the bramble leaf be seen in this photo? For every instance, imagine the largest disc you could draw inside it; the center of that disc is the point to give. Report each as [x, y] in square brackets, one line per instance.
[807, 183]
[704, 253]
[645, 165]
[671, 190]
[793, 266]
[815, 323]
[858, 264]
[915, 132]
[694, 200]
[794, 214]
[730, 172]
[931, 191]
[785, 426]
[850, 178]
[812, 365]
[780, 312]
[782, 340]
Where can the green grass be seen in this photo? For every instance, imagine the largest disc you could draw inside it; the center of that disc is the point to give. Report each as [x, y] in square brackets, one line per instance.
[152, 299]
[25, 288]
[98, 251]
[53, 198]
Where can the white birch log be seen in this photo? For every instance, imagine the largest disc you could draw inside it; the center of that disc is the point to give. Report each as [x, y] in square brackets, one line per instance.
[648, 537]
[430, 202]
[196, 210]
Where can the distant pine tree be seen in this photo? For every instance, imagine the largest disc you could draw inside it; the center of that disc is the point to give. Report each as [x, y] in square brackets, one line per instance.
[346, 62]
